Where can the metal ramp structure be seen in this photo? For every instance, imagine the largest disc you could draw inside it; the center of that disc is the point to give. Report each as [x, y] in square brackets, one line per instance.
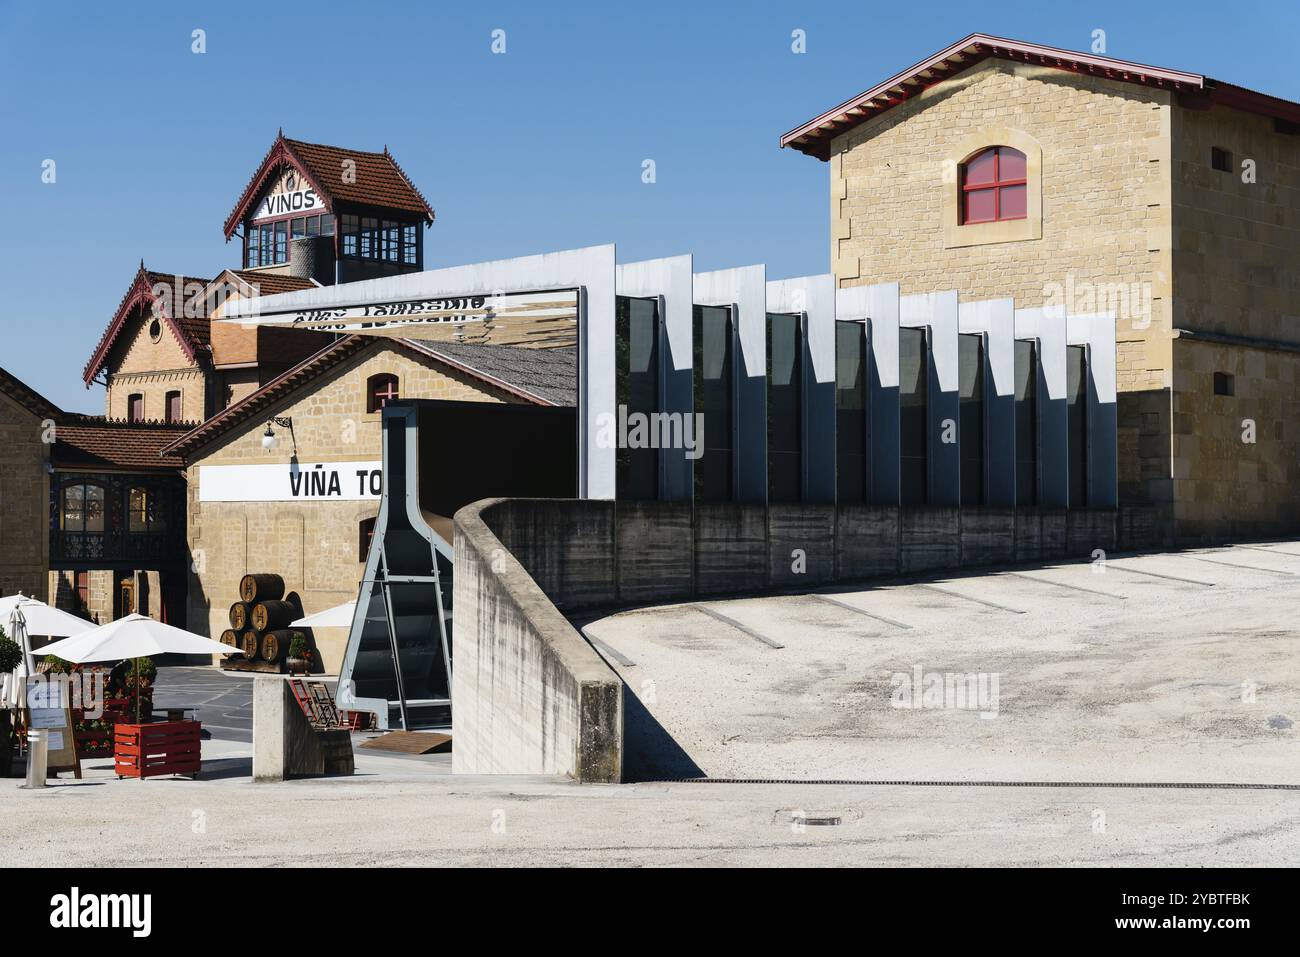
[439, 455]
[398, 659]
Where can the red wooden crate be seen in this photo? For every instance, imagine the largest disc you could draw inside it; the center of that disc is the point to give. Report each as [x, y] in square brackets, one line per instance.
[150, 750]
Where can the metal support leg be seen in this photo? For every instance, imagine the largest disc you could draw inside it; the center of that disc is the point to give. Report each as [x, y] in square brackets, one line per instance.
[392, 641]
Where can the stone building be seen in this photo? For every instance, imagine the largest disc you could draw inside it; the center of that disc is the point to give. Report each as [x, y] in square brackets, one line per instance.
[116, 519]
[255, 509]
[27, 423]
[96, 518]
[154, 357]
[91, 514]
[1091, 184]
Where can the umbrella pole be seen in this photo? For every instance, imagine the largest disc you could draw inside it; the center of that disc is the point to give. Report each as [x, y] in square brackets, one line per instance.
[37, 743]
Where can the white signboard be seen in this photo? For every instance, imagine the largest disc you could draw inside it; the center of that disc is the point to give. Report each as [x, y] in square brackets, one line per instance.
[291, 482]
[48, 718]
[540, 319]
[304, 202]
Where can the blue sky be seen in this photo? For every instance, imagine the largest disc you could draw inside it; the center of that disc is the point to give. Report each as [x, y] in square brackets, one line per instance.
[537, 149]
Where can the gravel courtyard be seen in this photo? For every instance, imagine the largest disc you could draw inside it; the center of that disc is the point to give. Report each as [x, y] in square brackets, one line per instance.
[1174, 669]
[1180, 667]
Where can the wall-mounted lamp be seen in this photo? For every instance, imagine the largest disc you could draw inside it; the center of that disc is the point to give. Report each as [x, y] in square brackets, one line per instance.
[269, 437]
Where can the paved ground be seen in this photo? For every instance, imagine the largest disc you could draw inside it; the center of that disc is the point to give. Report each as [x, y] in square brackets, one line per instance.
[223, 702]
[1168, 668]
[1163, 668]
[397, 812]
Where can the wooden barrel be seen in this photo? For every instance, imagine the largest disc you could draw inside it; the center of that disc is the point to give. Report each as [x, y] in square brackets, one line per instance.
[228, 637]
[255, 588]
[275, 644]
[240, 616]
[249, 642]
[270, 615]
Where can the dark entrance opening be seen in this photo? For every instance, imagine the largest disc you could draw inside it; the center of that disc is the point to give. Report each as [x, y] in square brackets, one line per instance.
[439, 457]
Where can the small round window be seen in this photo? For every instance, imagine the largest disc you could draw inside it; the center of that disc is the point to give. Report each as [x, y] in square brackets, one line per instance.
[155, 330]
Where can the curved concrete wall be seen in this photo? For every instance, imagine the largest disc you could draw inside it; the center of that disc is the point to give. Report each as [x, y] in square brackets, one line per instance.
[529, 695]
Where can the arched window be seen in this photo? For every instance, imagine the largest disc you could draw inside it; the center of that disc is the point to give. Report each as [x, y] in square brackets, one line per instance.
[381, 389]
[365, 535]
[994, 187]
[83, 508]
[173, 407]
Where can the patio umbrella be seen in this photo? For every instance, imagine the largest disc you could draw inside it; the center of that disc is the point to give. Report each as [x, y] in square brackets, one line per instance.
[21, 617]
[134, 636]
[41, 618]
[340, 616]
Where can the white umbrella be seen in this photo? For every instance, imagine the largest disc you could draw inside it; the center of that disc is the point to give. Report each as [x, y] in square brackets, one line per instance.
[340, 616]
[41, 618]
[22, 617]
[134, 636]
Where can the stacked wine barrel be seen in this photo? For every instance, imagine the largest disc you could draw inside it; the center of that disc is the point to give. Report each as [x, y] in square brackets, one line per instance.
[259, 621]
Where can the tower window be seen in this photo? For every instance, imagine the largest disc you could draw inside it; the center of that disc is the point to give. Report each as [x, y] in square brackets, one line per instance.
[1220, 159]
[1225, 383]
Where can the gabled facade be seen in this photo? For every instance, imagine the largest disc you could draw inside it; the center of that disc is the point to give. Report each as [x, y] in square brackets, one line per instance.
[1087, 184]
[246, 512]
[155, 356]
[331, 214]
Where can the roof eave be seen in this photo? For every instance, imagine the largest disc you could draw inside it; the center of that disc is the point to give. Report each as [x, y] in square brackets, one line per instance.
[279, 153]
[814, 136]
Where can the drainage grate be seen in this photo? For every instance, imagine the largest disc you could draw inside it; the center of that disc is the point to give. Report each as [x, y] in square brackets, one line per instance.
[815, 821]
[1176, 785]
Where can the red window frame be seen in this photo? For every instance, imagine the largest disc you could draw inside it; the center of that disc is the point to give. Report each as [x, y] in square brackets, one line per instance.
[997, 184]
[377, 399]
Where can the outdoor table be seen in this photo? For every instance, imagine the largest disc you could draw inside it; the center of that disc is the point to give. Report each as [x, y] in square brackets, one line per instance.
[176, 714]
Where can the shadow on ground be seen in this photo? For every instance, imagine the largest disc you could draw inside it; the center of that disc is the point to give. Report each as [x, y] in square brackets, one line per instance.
[649, 751]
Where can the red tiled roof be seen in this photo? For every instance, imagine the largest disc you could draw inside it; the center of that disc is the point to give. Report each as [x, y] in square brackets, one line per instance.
[814, 137]
[375, 179]
[194, 331]
[27, 397]
[96, 442]
[269, 284]
[252, 406]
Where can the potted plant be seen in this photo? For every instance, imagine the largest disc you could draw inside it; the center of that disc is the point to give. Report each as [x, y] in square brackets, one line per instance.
[10, 656]
[139, 686]
[299, 661]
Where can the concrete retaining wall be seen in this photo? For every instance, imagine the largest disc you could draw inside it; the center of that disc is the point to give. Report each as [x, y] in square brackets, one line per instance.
[598, 555]
[530, 695]
[285, 745]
